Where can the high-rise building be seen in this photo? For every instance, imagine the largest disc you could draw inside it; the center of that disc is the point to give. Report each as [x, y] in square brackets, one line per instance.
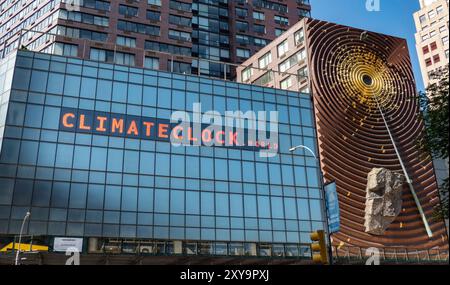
[432, 49]
[364, 91]
[432, 37]
[126, 32]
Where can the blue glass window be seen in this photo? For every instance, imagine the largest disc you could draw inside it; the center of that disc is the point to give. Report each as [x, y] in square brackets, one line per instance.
[88, 87]
[28, 152]
[131, 162]
[38, 81]
[23, 191]
[46, 155]
[115, 158]
[316, 210]
[207, 167]
[248, 171]
[81, 157]
[129, 199]
[192, 167]
[16, 114]
[177, 163]
[178, 101]
[250, 205]
[264, 207]
[33, 116]
[164, 98]
[161, 201]
[277, 207]
[119, 92]
[313, 180]
[134, 94]
[104, 90]
[177, 202]
[21, 78]
[310, 142]
[290, 208]
[112, 197]
[95, 197]
[98, 158]
[51, 118]
[300, 176]
[274, 173]
[7, 186]
[41, 193]
[294, 116]
[236, 205]
[72, 86]
[303, 209]
[192, 203]
[147, 161]
[288, 177]
[306, 117]
[235, 170]
[145, 203]
[162, 164]
[149, 98]
[64, 156]
[261, 172]
[221, 169]
[60, 194]
[207, 203]
[78, 194]
[222, 204]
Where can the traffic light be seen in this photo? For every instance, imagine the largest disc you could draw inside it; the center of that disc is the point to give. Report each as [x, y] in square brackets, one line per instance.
[319, 247]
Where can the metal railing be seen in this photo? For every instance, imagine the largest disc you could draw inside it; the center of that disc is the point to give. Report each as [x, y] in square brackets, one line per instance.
[27, 38]
[399, 255]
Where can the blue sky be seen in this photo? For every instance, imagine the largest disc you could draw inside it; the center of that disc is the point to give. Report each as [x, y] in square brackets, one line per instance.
[395, 18]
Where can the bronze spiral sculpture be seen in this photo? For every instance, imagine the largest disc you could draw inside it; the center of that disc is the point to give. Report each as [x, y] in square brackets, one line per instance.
[350, 70]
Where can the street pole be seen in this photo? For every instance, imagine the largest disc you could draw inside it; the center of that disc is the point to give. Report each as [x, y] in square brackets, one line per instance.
[324, 207]
[20, 237]
[408, 180]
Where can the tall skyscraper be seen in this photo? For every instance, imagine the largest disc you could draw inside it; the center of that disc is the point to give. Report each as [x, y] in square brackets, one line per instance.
[364, 92]
[432, 37]
[120, 31]
[432, 49]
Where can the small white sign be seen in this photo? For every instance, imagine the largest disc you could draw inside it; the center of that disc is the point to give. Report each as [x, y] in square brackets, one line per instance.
[63, 244]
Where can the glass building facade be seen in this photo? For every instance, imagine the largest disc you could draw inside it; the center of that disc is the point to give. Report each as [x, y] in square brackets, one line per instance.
[93, 185]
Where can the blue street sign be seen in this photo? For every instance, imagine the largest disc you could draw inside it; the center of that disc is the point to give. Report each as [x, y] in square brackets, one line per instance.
[332, 204]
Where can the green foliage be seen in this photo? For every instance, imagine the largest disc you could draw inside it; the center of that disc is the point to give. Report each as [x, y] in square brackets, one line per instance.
[442, 210]
[434, 112]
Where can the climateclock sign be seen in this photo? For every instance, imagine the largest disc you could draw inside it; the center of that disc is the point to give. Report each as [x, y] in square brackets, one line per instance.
[180, 132]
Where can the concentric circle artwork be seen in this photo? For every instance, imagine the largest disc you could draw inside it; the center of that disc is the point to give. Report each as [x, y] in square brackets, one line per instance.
[352, 73]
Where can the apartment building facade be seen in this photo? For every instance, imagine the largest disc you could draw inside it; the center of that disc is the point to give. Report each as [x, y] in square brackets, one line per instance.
[433, 52]
[149, 33]
[432, 37]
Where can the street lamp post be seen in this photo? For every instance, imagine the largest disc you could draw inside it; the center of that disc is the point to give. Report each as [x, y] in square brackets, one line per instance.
[305, 147]
[20, 237]
[323, 193]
